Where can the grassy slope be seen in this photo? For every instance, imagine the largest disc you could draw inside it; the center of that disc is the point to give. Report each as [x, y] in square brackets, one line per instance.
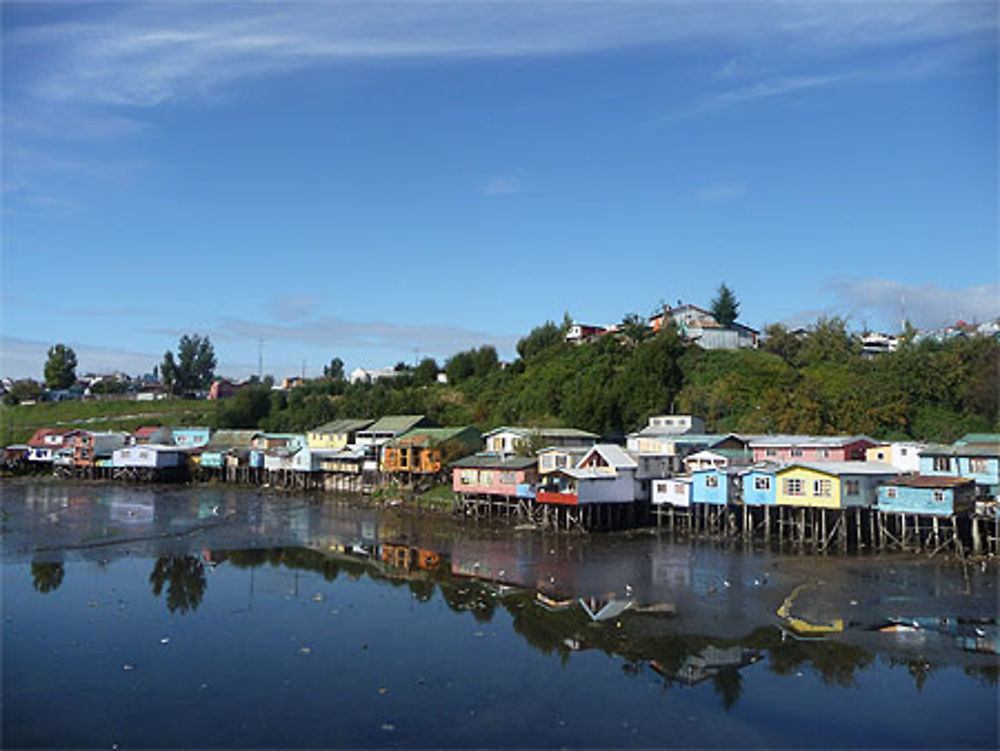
[18, 423]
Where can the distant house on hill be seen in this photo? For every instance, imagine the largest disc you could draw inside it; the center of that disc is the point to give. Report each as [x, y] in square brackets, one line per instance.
[699, 326]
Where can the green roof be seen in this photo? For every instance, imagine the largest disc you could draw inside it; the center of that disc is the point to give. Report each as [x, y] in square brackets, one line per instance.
[434, 436]
[342, 426]
[395, 424]
[495, 461]
[223, 440]
[978, 438]
[544, 432]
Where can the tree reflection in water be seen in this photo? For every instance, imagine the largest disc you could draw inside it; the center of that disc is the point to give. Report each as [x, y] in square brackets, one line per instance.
[46, 577]
[185, 577]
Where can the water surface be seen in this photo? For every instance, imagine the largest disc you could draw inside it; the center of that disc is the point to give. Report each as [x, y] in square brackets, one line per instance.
[206, 617]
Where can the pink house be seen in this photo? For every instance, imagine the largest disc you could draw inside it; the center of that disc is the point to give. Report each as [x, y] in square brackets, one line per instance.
[805, 448]
[491, 474]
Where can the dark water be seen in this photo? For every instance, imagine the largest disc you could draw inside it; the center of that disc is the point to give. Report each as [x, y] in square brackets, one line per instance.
[228, 619]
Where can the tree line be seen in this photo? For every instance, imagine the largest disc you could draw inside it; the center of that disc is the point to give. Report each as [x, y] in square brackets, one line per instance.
[816, 382]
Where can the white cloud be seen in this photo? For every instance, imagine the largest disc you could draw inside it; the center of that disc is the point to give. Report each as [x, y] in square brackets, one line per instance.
[925, 305]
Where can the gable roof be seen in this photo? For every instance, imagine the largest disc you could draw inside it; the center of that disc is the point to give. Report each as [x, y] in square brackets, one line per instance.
[223, 440]
[978, 438]
[396, 424]
[495, 461]
[808, 441]
[424, 437]
[38, 437]
[986, 450]
[343, 426]
[929, 481]
[542, 432]
[614, 455]
[845, 468]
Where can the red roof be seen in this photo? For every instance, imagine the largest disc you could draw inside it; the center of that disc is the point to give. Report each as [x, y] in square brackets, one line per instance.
[38, 439]
[929, 481]
[146, 431]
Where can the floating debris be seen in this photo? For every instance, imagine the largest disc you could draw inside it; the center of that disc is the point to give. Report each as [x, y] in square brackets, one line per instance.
[388, 727]
[128, 666]
[383, 690]
[305, 651]
[317, 597]
[165, 640]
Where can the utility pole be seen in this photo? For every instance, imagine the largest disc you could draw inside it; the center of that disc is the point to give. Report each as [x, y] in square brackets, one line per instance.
[260, 360]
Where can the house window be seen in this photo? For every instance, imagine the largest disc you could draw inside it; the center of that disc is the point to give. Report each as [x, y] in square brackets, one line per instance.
[977, 466]
[762, 483]
[853, 487]
[822, 488]
[890, 493]
[561, 460]
[796, 452]
[548, 461]
[661, 487]
[508, 478]
[942, 464]
[468, 477]
[880, 456]
[770, 452]
[823, 453]
[711, 481]
[902, 452]
[793, 486]
[485, 477]
[939, 496]
[679, 488]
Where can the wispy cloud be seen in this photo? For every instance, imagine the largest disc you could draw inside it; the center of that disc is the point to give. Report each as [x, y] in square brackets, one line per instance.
[25, 358]
[292, 307]
[924, 305]
[147, 54]
[502, 185]
[720, 192]
[774, 88]
[338, 332]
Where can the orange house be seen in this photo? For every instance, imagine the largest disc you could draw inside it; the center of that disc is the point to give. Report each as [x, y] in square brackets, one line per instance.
[420, 451]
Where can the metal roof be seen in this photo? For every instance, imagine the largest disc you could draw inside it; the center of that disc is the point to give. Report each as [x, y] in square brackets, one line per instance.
[929, 481]
[435, 436]
[223, 440]
[495, 461]
[614, 455]
[820, 441]
[394, 424]
[542, 432]
[342, 426]
[986, 450]
[846, 468]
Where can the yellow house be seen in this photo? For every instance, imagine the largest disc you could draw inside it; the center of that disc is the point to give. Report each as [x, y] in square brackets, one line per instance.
[336, 434]
[833, 485]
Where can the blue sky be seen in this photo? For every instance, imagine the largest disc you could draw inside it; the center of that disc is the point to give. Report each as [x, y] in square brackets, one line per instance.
[380, 180]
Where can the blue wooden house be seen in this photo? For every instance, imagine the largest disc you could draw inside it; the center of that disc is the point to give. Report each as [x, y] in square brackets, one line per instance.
[759, 484]
[979, 462]
[927, 495]
[718, 486]
[190, 438]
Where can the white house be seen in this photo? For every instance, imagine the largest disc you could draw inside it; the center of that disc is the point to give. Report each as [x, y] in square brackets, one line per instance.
[606, 474]
[363, 375]
[151, 456]
[903, 455]
[673, 491]
[507, 440]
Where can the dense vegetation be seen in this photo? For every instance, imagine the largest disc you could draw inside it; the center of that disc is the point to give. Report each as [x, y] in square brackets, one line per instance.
[813, 383]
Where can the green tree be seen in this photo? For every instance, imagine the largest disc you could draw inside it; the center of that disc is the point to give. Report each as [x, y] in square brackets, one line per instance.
[335, 370]
[426, 372]
[194, 366]
[60, 367]
[22, 391]
[634, 329]
[47, 576]
[780, 341]
[184, 576]
[540, 339]
[724, 307]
